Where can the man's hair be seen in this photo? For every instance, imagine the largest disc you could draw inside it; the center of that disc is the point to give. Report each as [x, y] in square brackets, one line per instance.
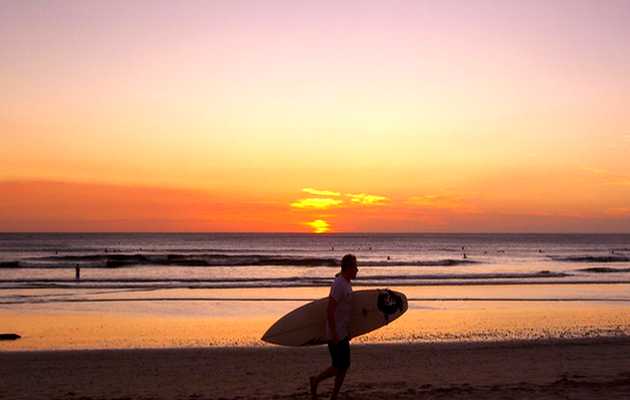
[348, 261]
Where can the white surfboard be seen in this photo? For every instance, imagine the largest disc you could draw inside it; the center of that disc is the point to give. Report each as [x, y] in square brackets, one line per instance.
[306, 325]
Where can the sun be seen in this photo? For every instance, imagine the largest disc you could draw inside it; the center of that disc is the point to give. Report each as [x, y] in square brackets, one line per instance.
[319, 226]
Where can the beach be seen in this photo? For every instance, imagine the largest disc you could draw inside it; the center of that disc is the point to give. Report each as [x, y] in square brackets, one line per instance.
[573, 369]
[519, 319]
[180, 345]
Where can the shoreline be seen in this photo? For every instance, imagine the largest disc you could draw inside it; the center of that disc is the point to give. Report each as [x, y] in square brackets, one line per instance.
[445, 345]
[64, 319]
[197, 284]
[550, 369]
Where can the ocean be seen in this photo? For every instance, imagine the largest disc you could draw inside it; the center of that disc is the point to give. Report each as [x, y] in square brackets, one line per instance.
[139, 290]
[213, 260]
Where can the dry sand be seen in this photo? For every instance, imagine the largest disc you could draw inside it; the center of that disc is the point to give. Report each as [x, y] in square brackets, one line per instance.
[576, 369]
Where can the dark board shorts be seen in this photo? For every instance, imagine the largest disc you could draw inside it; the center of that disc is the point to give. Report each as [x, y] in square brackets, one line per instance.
[340, 353]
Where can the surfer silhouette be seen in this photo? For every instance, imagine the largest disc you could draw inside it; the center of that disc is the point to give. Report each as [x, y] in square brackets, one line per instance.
[339, 311]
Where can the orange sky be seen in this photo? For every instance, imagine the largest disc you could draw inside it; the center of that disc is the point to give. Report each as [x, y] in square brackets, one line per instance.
[230, 116]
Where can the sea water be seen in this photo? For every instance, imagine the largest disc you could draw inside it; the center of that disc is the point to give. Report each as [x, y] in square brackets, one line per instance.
[298, 260]
[173, 290]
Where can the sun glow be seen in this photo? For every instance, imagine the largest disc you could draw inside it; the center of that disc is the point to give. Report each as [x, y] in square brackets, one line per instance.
[319, 226]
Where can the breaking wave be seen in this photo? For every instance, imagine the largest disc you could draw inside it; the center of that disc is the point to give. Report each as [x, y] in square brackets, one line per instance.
[209, 260]
[592, 259]
[604, 270]
[403, 280]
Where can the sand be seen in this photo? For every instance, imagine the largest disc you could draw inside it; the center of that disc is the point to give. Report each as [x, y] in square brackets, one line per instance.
[109, 320]
[569, 369]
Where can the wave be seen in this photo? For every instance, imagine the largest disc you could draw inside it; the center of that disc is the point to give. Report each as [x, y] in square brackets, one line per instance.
[210, 260]
[37, 300]
[541, 274]
[411, 280]
[9, 264]
[127, 249]
[604, 270]
[447, 262]
[265, 285]
[591, 259]
[189, 260]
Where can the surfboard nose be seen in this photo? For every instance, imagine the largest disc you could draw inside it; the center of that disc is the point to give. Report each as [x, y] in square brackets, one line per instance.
[268, 336]
[391, 304]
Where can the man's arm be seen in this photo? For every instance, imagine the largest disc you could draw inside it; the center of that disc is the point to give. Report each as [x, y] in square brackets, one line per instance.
[332, 307]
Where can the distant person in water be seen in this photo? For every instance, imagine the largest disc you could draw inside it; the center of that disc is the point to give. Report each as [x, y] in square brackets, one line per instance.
[77, 273]
[339, 311]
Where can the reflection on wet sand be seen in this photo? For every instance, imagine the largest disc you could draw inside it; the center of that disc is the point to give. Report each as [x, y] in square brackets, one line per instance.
[189, 323]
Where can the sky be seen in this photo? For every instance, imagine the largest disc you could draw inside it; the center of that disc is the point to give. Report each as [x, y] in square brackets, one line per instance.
[291, 116]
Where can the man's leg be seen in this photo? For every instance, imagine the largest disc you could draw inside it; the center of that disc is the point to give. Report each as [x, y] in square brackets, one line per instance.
[343, 363]
[339, 377]
[315, 380]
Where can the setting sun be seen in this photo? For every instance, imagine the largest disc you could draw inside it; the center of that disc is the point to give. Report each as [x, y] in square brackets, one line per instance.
[319, 226]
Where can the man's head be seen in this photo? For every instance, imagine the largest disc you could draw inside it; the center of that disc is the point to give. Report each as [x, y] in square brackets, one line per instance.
[349, 266]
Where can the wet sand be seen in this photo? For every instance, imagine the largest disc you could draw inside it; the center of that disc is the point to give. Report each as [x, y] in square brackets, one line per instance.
[65, 319]
[454, 343]
[574, 369]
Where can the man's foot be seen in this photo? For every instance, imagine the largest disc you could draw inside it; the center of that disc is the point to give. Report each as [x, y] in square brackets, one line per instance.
[313, 382]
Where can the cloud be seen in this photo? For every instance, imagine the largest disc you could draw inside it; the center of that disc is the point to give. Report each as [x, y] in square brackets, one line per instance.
[619, 182]
[612, 179]
[367, 199]
[316, 203]
[81, 207]
[440, 201]
[434, 201]
[619, 211]
[317, 192]
[319, 226]
[596, 171]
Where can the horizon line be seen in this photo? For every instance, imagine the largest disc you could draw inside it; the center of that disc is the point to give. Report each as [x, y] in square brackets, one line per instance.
[309, 233]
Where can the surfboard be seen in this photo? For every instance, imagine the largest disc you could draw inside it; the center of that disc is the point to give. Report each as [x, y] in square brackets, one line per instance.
[306, 325]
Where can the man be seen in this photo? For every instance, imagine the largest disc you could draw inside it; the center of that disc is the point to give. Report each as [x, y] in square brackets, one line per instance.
[339, 311]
